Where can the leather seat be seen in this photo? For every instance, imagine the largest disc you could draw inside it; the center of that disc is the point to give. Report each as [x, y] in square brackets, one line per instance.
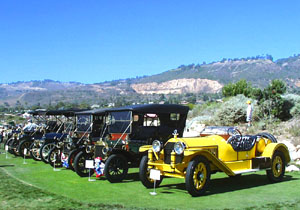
[242, 143]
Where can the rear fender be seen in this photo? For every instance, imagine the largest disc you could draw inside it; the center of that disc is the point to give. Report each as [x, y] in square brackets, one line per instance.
[272, 147]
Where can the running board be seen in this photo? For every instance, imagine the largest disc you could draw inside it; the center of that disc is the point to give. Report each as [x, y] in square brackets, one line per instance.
[246, 171]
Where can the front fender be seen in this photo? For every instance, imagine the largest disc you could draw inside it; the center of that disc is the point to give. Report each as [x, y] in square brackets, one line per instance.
[145, 148]
[214, 160]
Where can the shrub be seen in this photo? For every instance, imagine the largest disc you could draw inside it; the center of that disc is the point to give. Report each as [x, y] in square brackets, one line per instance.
[295, 100]
[234, 111]
[294, 130]
[207, 109]
[295, 111]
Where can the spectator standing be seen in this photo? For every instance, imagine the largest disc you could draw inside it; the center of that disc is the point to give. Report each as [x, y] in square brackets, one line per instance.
[249, 113]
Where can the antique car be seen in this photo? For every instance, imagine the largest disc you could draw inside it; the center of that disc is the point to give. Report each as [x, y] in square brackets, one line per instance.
[24, 138]
[11, 135]
[129, 128]
[65, 120]
[227, 150]
[89, 125]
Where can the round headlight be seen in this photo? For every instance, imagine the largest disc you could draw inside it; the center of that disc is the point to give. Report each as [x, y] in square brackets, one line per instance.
[89, 149]
[156, 145]
[106, 150]
[69, 146]
[179, 147]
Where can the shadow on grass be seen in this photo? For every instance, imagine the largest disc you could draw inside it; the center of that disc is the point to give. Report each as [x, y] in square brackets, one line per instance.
[228, 184]
[131, 177]
[2, 166]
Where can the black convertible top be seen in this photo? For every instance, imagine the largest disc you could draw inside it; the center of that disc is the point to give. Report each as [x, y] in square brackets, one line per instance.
[153, 108]
[38, 112]
[66, 112]
[93, 112]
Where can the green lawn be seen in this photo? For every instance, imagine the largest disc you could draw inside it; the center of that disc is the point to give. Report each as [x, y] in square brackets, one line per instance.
[35, 184]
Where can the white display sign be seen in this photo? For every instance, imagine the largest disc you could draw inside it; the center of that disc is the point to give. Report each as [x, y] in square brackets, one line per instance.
[25, 151]
[89, 164]
[154, 174]
[6, 147]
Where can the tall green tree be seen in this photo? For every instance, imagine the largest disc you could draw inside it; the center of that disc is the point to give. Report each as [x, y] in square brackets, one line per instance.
[273, 103]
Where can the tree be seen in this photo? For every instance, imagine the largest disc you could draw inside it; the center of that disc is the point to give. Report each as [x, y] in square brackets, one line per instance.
[6, 104]
[276, 105]
[228, 90]
[269, 57]
[240, 87]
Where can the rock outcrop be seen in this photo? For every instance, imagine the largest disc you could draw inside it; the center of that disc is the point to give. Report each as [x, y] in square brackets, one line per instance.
[178, 86]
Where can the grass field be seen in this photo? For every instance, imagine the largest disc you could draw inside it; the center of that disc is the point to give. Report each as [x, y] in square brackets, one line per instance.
[36, 186]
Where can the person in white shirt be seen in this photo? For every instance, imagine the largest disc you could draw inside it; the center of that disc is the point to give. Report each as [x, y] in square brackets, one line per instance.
[30, 126]
[249, 113]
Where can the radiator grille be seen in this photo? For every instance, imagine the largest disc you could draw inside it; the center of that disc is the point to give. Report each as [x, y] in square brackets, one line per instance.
[169, 147]
[98, 151]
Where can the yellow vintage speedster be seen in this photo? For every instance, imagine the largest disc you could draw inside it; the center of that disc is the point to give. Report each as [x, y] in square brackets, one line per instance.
[196, 158]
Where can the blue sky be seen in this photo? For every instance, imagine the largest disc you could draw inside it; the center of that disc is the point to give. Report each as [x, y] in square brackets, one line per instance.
[96, 40]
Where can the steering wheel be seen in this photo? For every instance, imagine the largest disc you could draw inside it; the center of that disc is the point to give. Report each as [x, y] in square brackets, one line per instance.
[234, 132]
[235, 138]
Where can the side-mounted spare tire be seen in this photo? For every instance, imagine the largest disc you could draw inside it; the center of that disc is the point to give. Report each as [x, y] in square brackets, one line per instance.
[268, 136]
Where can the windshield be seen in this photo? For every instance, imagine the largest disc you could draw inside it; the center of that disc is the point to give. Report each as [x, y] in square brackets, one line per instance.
[68, 127]
[83, 123]
[119, 122]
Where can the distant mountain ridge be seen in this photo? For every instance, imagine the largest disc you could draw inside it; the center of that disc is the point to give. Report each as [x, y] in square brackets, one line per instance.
[257, 71]
[204, 78]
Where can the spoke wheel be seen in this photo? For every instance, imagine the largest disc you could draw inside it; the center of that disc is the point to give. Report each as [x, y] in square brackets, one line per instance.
[71, 158]
[9, 143]
[35, 152]
[116, 168]
[79, 164]
[276, 173]
[24, 144]
[54, 157]
[44, 151]
[144, 174]
[14, 147]
[197, 176]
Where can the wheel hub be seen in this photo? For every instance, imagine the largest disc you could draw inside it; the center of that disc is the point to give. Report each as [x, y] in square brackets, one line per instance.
[278, 166]
[200, 176]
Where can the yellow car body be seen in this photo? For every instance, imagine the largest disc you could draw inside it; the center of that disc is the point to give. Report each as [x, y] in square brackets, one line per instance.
[202, 156]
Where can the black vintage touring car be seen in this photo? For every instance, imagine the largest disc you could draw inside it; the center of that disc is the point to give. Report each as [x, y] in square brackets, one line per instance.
[129, 128]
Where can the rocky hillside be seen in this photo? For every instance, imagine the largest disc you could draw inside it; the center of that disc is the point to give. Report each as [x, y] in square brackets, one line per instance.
[178, 86]
[257, 71]
[204, 78]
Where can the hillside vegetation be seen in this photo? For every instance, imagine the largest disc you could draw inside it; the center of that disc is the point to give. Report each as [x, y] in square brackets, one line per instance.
[275, 110]
[199, 79]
